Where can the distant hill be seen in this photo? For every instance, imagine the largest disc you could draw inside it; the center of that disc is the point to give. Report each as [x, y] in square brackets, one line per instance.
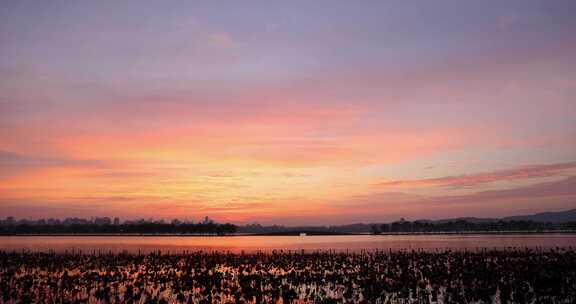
[545, 217]
[551, 217]
[475, 220]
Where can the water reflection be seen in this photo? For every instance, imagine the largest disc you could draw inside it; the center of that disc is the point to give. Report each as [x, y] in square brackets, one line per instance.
[268, 243]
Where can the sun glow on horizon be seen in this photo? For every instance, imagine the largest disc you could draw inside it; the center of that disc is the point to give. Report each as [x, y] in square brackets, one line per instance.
[335, 114]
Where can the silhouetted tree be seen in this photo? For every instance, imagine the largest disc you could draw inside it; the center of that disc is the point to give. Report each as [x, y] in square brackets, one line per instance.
[375, 229]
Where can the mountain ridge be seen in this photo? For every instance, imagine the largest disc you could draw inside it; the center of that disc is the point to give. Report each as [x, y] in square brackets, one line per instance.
[554, 217]
[549, 217]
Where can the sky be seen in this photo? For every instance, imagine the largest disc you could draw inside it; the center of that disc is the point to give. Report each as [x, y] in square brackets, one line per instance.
[287, 112]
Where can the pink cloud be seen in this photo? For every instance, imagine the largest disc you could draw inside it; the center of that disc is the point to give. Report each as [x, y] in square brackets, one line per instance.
[385, 206]
[526, 172]
[221, 39]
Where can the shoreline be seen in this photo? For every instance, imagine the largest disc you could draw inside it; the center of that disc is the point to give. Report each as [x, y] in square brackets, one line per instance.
[298, 233]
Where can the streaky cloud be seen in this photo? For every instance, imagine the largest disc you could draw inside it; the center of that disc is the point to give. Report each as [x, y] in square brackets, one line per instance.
[525, 172]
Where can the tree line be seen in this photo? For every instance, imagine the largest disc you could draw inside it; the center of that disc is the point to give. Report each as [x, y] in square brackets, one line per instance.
[126, 228]
[466, 226]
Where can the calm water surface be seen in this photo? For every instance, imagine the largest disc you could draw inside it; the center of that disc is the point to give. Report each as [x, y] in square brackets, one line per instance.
[96, 244]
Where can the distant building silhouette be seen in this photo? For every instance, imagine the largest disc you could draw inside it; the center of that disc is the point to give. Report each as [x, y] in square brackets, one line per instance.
[102, 221]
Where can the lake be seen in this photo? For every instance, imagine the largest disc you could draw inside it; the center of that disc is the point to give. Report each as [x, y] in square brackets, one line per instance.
[135, 244]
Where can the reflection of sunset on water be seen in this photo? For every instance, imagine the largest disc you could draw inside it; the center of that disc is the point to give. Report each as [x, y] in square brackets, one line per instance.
[238, 244]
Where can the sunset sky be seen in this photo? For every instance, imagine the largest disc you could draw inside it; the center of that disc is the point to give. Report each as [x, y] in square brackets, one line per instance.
[287, 112]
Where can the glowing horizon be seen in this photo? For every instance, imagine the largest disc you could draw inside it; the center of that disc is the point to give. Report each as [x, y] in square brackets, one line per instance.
[300, 113]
